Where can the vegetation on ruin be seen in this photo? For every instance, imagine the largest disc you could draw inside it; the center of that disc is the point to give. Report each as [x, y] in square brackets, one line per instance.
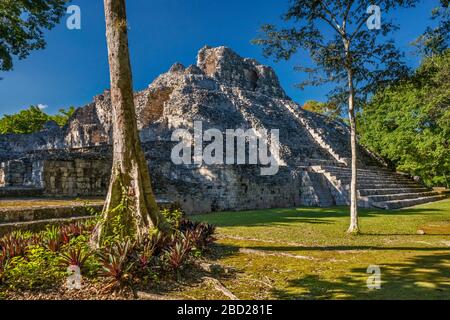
[32, 120]
[328, 109]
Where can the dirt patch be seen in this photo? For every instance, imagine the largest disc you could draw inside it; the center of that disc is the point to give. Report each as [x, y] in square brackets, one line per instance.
[437, 228]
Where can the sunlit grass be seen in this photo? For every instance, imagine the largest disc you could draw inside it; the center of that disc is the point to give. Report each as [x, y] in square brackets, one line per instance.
[413, 266]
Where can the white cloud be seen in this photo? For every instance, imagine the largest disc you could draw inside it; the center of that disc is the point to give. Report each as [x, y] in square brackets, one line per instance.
[42, 106]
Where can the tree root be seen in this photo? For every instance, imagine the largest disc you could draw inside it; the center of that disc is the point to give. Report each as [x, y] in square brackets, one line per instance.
[275, 254]
[152, 296]
[220, 287]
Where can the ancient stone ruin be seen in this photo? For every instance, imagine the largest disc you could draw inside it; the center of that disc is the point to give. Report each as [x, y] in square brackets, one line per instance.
[224, 91]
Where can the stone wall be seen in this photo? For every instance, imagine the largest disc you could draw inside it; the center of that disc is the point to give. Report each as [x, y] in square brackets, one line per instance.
[14, 173]
[77, 177]
[225, 188]
[2, 176]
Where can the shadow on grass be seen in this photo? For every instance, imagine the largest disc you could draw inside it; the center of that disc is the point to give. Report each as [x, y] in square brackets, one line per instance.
[420, 277]
[343, 248]
[193, 275]
[257, 218]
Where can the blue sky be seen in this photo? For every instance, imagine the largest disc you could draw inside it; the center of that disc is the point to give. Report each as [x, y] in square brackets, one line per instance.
[73, 68]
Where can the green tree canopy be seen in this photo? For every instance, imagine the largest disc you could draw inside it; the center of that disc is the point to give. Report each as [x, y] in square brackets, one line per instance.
[335, 35]
[409, 122]
[327, 109]
[32, 120]
[22, 25]
[435, 40]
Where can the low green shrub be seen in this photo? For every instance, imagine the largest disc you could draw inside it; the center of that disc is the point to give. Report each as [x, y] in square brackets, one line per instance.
[39, 268]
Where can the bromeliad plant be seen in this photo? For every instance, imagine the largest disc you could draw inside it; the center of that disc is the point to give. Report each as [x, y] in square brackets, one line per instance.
[177, 254]
[74, 257]
[30, 261]
[14, 245]
[200, 234]
[3, 262]
[53, 239]
[116, 265]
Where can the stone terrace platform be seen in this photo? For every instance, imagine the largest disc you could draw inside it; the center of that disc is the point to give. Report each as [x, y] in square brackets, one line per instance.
[37, 213]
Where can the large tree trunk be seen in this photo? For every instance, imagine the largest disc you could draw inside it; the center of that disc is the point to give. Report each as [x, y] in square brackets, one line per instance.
[130, 199]
[354, 228]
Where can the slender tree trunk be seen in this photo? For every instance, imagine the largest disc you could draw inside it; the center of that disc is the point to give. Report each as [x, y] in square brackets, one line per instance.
[130, 187]
[354, 228]
[354, 225]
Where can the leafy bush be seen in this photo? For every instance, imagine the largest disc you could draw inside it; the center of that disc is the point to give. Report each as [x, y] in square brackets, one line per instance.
[38, 269]
[14, 245]
[173, 217]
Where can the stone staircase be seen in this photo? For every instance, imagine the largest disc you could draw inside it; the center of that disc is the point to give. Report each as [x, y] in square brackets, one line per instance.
[378, 187]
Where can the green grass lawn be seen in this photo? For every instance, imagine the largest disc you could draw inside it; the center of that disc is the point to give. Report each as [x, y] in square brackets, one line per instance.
[304, 253]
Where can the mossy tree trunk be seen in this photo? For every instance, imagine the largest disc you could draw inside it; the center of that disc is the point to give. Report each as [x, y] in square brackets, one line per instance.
[130, 192]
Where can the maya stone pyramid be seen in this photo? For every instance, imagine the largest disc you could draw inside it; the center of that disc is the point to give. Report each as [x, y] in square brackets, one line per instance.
[223, 91]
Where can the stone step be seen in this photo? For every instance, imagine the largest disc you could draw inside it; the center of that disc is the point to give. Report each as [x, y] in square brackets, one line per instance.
[15, 215]
[16, 192]
[401, 196]
[362, 170]
[374, 192]
[378, 180]
[382, 185]
[367, 175]
[322, 162]
[392, 186]
[37, 218]
[398, 204]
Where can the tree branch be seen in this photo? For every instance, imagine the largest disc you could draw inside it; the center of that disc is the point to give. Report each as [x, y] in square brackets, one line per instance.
[347, 11]
[360, 24]
[333, 22]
